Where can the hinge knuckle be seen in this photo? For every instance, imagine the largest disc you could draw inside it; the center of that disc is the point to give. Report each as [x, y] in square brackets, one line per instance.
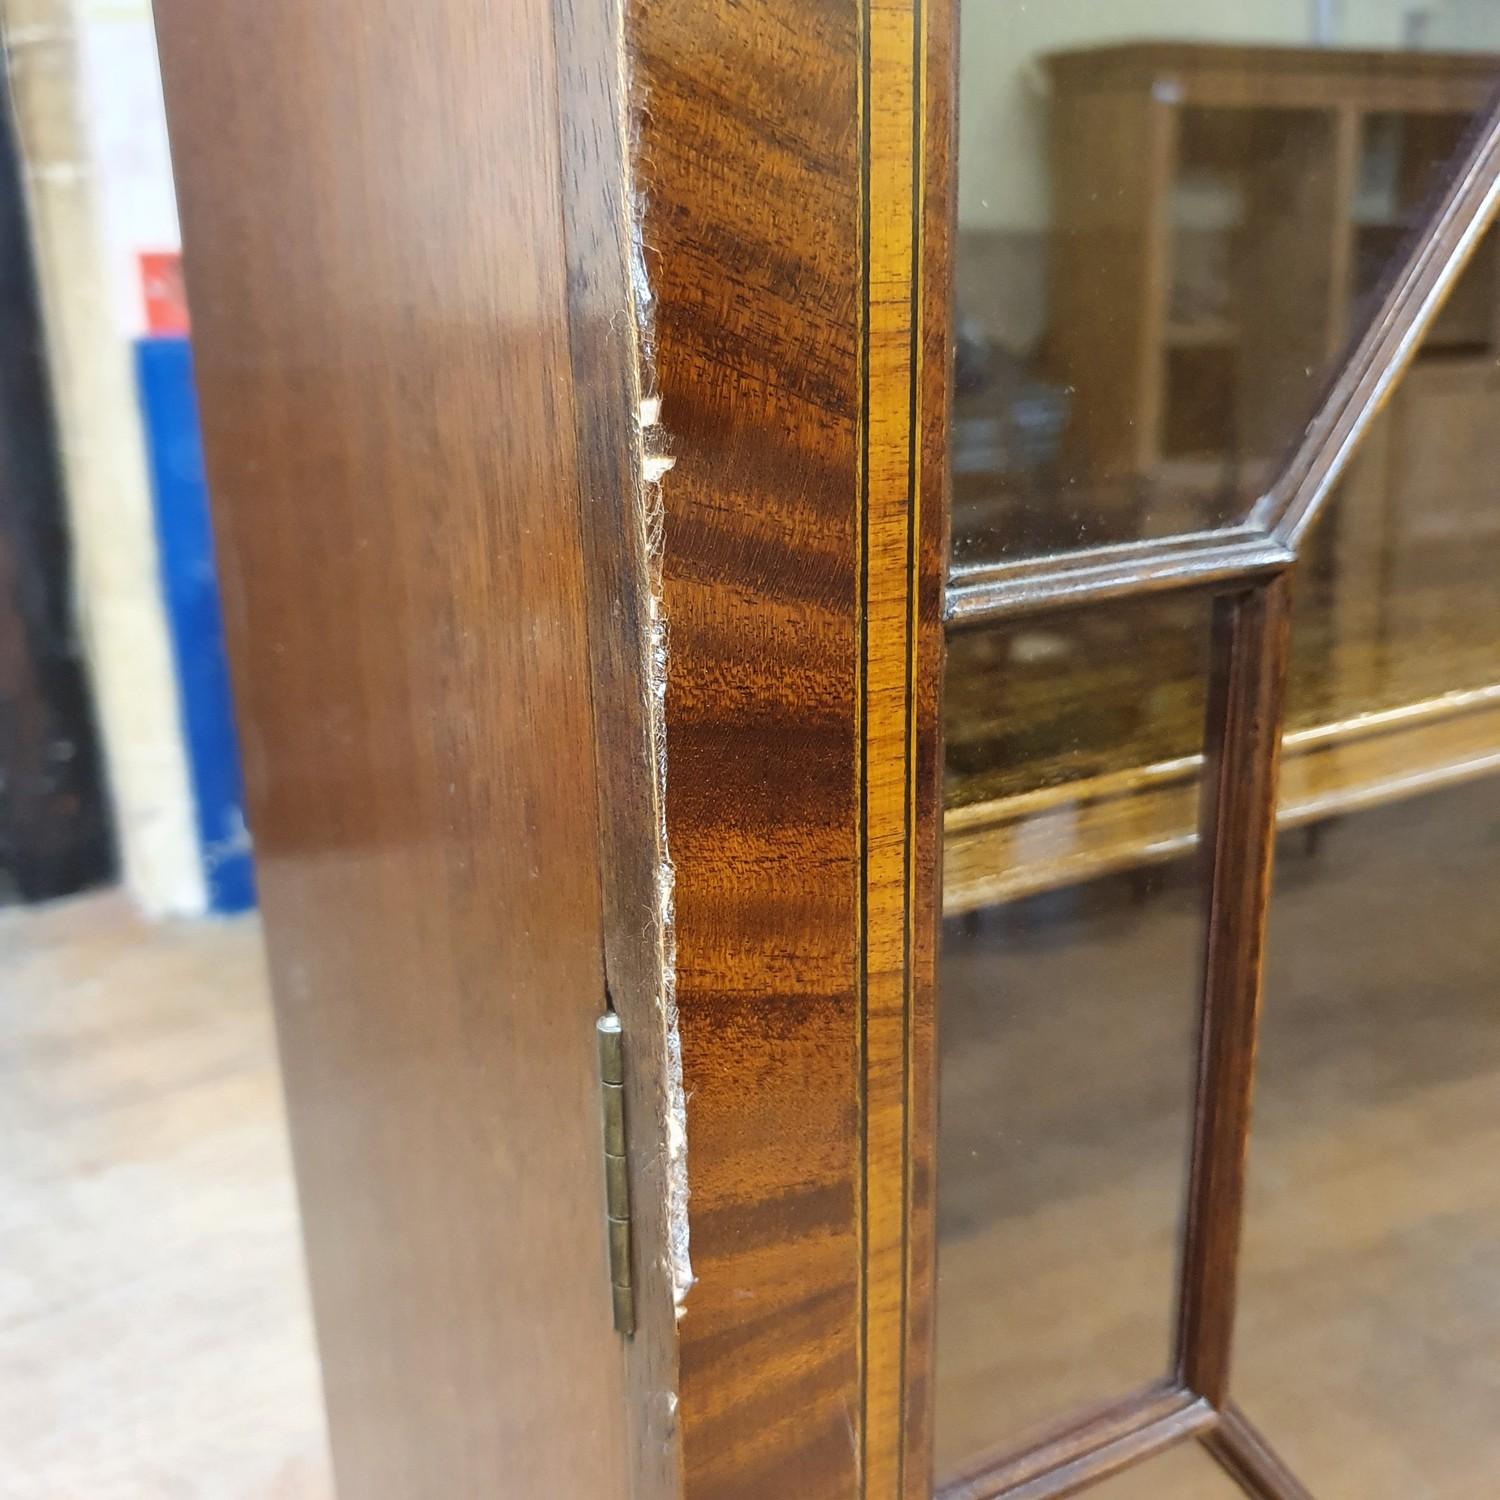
[616, 1169]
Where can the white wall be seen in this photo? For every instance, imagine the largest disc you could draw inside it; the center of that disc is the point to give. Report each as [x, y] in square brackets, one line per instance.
[127, 130]
[1002, 116]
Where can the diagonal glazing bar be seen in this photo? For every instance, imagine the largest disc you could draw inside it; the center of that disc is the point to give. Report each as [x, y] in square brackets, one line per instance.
[1243, 1453]
[1382, 352]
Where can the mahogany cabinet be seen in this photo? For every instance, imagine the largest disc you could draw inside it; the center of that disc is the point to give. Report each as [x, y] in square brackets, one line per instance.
[578, 380]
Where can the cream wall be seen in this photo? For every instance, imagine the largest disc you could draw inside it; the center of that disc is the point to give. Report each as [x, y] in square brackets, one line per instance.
[1002, 117]
[93, 157]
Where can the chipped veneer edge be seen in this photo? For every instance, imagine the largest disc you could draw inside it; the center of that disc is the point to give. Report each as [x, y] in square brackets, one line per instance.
[652, 464]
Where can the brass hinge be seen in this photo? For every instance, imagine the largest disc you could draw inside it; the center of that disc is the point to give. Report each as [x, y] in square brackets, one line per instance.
[616, 1178]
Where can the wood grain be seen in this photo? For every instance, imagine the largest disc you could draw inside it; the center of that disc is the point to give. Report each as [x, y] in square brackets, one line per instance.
[937, 100]
[890, 503]
[375, 246]
[777, 165]
[746, 170]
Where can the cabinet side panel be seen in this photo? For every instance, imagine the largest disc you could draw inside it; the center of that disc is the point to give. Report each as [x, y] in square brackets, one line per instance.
[372, 213]
[747, 166]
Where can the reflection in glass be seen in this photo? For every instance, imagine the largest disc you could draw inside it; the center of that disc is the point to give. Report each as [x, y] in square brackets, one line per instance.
[1073, 695]
[1398, 605]
[1370, 1295]
[1071, 745]
[1182, 1473]
[1067, 1014]
[1066, 1039]
[1163, 245]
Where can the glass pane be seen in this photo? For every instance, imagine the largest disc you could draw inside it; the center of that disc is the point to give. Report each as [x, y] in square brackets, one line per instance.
[1067, 1017]
[1186, 1472]
[1070, 745]
[1164, 244]
[1370, 1300]
[1398, 606]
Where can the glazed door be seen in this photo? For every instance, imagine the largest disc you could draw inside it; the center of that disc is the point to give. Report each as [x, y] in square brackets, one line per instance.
[1218, 1018]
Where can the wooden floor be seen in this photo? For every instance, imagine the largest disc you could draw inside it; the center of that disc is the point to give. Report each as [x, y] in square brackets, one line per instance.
[155, 1340]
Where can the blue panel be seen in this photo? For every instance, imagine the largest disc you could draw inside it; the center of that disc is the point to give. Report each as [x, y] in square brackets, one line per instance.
[164, 369]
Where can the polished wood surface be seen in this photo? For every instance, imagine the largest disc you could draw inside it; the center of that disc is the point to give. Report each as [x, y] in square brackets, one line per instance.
[750, 219]
[621, 555]
[801, 579]
[1108, 1442]
[778, 329]
[938, 122]
[891, 520]
[981, 594]
[372, 203]
[1245, 1454]
[423, 401]
[1242, 759]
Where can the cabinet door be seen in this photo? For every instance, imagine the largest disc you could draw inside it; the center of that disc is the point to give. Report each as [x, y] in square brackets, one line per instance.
[1200, 630]
[717, 531]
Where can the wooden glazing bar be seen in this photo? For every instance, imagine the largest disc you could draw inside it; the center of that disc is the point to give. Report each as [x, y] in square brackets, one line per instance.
[1246, 1455]
[979, 596]
[1386, 347]
[1242, 750]
[1102, 1443]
